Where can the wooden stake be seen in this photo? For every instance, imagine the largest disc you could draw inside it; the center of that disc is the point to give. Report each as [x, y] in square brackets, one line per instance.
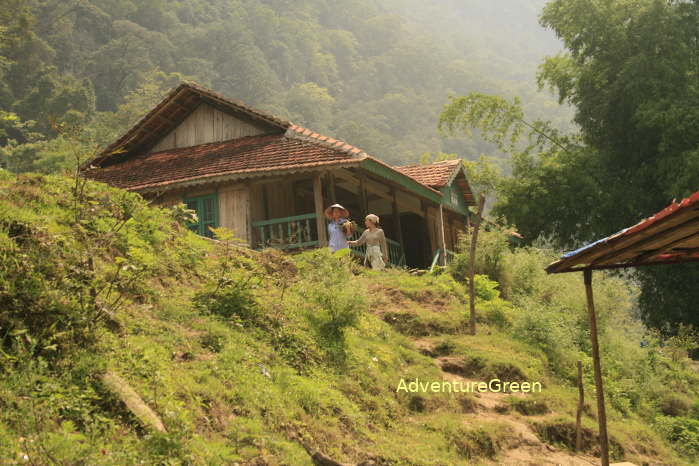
[601, 413]
[320, 217]
[472, 266]
[578, 415]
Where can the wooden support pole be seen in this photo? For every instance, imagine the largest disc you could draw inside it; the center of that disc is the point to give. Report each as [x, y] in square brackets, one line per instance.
[265, 202]
[440, 237]
[363, 199]
[320, 217]
[578, 414]
[331, 188]
[601, 412]
[427, 252]
[396, 221]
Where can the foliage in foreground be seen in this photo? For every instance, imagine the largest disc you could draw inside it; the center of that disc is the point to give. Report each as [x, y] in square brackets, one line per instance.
[257, 357]
[549, 312]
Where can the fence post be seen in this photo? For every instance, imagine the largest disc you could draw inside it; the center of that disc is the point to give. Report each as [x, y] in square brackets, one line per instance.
[578, 415]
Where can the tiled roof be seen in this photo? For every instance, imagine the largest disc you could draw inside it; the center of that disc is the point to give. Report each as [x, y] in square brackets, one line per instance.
[299, 132]
[179, 103]
[436, 174]
[244, 157]
[439, 174]
[127, 163]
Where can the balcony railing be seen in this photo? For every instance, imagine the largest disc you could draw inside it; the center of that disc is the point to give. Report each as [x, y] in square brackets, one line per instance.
[448, 255]
[300, 232]
[286, 233]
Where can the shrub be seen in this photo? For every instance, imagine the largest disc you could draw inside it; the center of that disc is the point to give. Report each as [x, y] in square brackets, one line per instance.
[674, 404]
[233, 299]
[496, 313]
[333, 301]
[682, 431]
[493, 246]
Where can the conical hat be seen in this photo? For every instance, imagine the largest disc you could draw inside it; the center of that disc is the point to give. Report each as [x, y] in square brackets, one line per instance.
[329, 211]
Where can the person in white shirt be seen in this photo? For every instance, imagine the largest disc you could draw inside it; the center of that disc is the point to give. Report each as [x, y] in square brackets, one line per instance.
[375, 240]
[338, 233]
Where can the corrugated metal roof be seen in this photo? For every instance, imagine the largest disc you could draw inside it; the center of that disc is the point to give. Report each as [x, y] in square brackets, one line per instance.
[671, 236]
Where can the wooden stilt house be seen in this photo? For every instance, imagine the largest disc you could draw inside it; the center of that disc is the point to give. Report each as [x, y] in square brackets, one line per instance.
[269, 180]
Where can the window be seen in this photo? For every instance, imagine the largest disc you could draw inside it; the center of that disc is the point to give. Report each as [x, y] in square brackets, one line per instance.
[206, 208]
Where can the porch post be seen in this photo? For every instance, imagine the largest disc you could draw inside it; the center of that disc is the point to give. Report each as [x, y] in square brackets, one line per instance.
[396, 221]
[601, 413]
[331, 188]
[363, 201]
[427, 240]
[320, 217]
[440, 236]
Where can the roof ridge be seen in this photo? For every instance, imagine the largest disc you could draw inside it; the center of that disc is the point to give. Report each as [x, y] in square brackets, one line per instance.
[237, 103]
[414, 165]
[304, 134]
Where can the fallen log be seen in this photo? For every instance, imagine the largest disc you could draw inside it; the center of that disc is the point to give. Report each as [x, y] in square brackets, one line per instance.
[133, 401]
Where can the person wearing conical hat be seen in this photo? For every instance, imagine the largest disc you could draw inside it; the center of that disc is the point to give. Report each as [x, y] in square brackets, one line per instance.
[338, 233]
[375, 240]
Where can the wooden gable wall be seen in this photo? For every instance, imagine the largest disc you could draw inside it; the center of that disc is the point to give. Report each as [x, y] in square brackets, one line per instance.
[207, 124]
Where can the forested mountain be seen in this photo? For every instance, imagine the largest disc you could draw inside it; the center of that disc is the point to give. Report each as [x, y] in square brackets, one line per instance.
[375, 73]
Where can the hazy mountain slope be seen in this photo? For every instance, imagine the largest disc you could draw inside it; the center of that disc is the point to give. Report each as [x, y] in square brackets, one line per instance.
[372, 72]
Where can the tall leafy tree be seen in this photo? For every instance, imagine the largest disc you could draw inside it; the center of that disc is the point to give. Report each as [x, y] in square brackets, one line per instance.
[631, 72]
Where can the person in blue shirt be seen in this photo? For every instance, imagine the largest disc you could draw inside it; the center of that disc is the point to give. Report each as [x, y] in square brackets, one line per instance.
[338, 233]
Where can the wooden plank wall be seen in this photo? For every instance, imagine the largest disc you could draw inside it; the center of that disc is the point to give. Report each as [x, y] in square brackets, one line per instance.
[280, 199]
[234, 210]
[452, 228]
[206, 124]
[257, 202]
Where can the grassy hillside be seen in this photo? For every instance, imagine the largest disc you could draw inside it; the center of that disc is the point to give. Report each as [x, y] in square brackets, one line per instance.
[227, 355]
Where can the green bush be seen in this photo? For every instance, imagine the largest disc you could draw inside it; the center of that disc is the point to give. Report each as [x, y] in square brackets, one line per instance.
[333, 303]
[675, 404]
[493, 246]
[496, 313]
[682, 431]
[232, 299]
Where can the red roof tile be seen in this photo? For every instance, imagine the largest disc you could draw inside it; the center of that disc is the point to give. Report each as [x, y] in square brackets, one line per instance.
[436, 174]
[126, 163]
[440, 174]
[243, 156]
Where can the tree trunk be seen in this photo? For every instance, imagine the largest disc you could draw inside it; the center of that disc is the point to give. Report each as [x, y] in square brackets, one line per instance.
[472, 265]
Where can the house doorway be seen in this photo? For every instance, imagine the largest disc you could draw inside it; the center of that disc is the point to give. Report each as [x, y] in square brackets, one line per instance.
[416, 240]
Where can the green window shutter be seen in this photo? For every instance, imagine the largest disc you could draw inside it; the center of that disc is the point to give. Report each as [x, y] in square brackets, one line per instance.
[206, 208]
[192, 204]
